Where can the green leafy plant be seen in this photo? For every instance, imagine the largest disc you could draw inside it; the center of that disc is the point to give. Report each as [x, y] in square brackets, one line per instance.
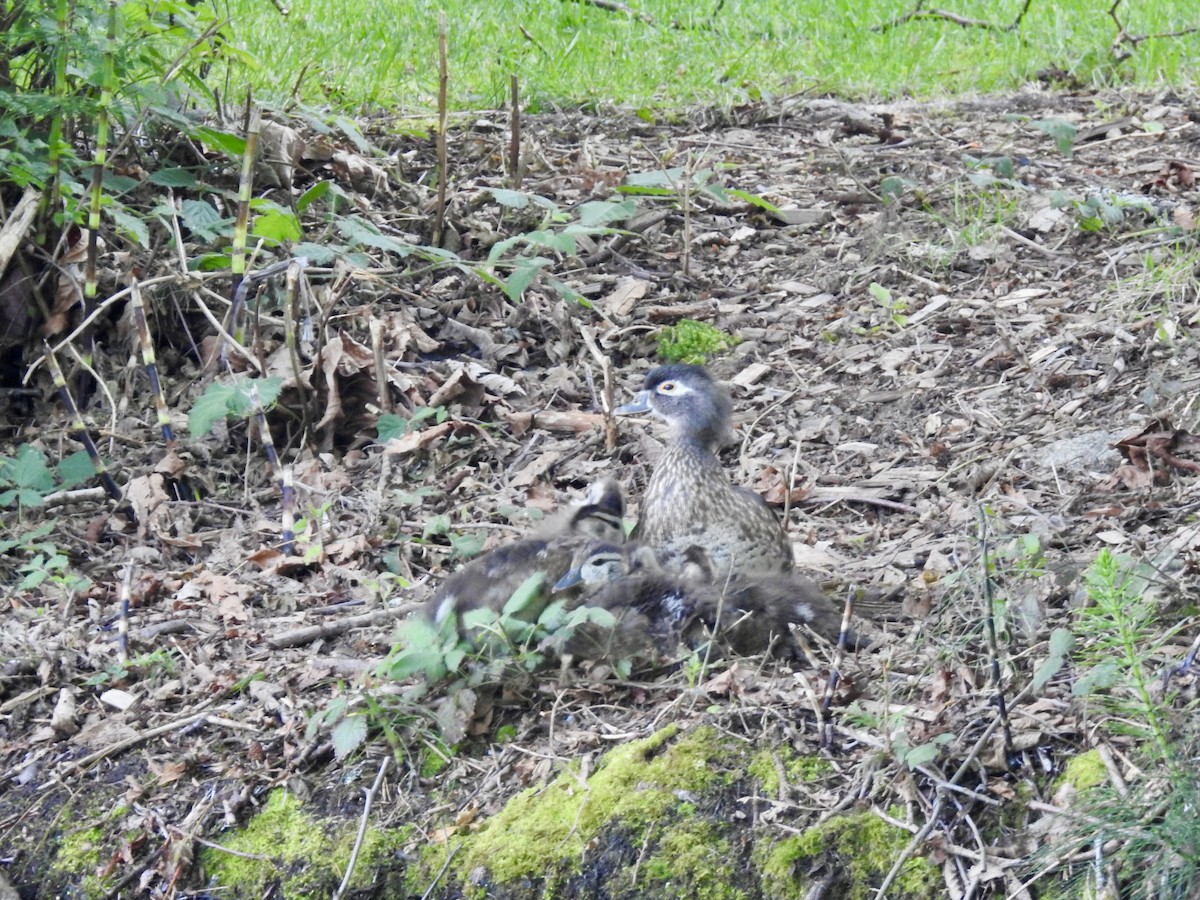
[231, 400]
[693, 342]
[26, 478]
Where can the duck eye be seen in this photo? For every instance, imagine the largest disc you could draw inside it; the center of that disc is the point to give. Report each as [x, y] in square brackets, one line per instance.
[667, 387]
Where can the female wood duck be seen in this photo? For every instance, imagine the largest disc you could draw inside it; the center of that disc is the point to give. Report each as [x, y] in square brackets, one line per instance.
[690, 500]
[492, 579]
[656, 609]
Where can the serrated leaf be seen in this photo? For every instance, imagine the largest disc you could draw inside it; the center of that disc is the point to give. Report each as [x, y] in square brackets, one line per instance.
[132, 225]
[75, 469]
[230, 144]
[348, 735]
[1061, 131]
[277, 226]
[28, 470]
[601, 212]
[511, 199]
[173, 177]
[202, 218]
[921, 755]
[1061, 641]
[525, 595]
[1047, 670]
[515, 285]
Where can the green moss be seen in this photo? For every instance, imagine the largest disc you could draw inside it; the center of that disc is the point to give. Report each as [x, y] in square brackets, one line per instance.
[304, 854]
[541, 831]
[78, 858]
[690, 341]
[692, 861]
[797, 769]
[1083, 771]
[861, 844]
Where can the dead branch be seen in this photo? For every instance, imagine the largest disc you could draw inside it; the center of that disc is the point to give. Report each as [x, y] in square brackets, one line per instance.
[920, 12]
[618, 7]
[1124, 39]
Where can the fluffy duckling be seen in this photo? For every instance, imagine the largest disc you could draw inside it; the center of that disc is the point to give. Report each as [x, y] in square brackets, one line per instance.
[656, 610]
[690, 500]
[492, 579]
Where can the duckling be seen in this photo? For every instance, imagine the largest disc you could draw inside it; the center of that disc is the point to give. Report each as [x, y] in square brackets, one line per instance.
[492, 579]
[658, 610]
[690, 500]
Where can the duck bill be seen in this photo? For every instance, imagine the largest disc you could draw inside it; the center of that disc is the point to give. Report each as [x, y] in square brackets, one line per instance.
[639, 404]
[569, 580]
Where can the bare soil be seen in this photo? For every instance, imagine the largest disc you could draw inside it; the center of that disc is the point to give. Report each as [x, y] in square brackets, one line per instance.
[964, 345]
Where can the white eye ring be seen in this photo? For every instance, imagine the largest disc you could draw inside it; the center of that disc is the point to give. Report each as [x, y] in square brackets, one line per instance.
[668, 387]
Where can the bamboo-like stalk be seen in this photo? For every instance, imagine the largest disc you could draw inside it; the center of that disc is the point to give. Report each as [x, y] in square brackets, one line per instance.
[237, 262]
[78, 429]
[100, 156]
[150, 362]
[439, 219]
[281, 473]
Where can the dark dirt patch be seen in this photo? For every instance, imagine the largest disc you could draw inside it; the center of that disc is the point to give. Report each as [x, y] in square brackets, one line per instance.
[957, 326]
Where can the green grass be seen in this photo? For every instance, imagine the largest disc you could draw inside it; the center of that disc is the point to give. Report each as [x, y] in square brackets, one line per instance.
[376, 53]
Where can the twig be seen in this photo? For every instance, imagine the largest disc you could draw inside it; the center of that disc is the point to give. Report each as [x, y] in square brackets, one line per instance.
[311, 633]
[1124, 37]
[989, 619]
[617, 7]
[919, 12]
[514, 139]
[368, 801]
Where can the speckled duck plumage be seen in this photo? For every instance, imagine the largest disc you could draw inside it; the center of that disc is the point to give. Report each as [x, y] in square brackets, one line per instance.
[690, 500]
[656, 610]
[491, 580]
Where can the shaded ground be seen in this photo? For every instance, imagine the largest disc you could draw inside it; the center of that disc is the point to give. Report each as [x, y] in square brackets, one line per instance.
[956, 314]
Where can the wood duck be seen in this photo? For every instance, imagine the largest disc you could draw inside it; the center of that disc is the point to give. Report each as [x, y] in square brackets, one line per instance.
[491, 580]
[690, 500]
[657, 609]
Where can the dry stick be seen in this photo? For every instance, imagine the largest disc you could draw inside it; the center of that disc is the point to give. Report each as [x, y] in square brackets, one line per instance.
[1124, 37]
[384, 394]
[123, 620]
[310, 633]
[514, 140]
[291, 332]
[17, 226]
[825, 723]
[78, 430]
[368, 802]
[149, 361]
[618, 7]
[919, 12]
[439, 216]
[605, 363]
[993, 644]
[282, 474]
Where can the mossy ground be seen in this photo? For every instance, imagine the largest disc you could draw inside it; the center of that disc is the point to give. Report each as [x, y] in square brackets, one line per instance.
[861, 845]
[283, 845]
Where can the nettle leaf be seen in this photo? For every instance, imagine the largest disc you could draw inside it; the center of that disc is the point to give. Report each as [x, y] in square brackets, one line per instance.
[276, 224]
[348, 735]
[28, 470]
[601, 212]
[318, 191]
[174, 177]
[230, 144]
[225, 400]
[389, 426]
[75, 469]
[1062, 131]
[522, 277]
[464, 546]
[1061, 641]
[1047, 670]
[662, 181]
[894, 187]
[511, 199]
[529, 591]
[360, 231]
[202, 218]
[134, 226]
